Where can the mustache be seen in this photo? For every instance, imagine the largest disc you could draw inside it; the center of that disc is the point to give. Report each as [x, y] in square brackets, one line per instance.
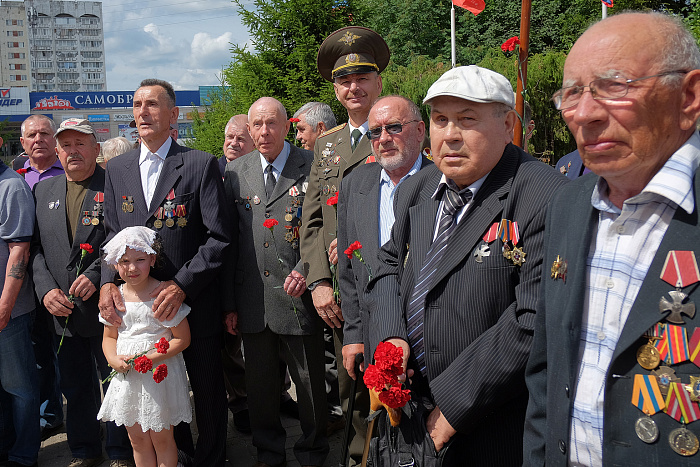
[75, 157]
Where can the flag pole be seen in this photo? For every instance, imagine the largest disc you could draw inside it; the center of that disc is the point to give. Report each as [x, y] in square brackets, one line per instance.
[453, 30]
[522, 70]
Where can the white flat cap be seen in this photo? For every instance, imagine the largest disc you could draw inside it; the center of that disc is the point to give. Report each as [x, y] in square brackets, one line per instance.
[475, 84]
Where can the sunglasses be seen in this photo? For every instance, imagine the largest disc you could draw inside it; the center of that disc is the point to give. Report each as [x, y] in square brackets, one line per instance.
[391, 129]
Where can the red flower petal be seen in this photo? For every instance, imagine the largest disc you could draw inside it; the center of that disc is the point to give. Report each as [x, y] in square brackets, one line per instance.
[270, 223]
[160, 373]
[142, 364]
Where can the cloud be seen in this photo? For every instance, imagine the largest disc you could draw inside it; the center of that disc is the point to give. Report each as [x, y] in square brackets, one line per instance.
[210, 52]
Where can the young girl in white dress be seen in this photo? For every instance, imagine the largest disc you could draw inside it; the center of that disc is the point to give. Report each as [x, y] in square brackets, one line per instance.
[148, 409]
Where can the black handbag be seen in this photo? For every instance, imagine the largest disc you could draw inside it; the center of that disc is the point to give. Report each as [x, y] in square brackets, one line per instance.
[408, 444]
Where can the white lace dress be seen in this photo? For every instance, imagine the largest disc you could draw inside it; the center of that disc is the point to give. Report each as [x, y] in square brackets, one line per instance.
[136, 397]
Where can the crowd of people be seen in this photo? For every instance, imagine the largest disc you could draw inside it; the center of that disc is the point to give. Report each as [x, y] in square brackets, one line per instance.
[541, 320]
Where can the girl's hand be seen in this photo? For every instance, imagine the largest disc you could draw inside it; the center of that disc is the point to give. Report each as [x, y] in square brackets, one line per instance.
[120, 363]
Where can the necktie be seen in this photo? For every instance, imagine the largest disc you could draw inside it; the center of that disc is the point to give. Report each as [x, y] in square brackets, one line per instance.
[269, 181]
[356, 135]
[151, 176]
[452, 202]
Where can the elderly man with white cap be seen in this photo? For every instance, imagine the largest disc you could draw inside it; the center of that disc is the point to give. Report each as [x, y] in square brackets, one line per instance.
[458, 281]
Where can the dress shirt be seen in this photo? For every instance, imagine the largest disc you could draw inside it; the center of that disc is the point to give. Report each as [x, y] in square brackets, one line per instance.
[445, 182]
[149, 176]
[622, 248]
[386, 200]
[277, 164]
[33, 176]
[364, 128]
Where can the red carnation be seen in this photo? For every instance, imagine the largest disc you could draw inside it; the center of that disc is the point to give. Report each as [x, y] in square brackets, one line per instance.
[352, 248]
[376, 379]
[270, 223]
[160, 373]
[162, 345]
[22, 171]
[395, 397]
[87, 247]
[389, 357]
[143, 364]
[294, 120]
[333, 200]
[509, 45]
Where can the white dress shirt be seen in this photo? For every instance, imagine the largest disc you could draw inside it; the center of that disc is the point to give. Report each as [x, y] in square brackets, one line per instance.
[150, 165]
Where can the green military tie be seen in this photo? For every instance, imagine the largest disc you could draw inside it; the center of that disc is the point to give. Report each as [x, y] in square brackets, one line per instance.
[356, 135]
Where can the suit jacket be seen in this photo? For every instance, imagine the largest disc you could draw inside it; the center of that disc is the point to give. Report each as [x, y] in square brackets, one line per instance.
[358, 220]
[333, 160]
[554, 361]
[479, 317]
[193, 254]
[571, 165]
[254, 269]
[54, 260]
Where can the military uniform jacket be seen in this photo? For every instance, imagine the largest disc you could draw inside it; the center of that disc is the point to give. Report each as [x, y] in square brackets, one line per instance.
[554, 361]
[253, 270]
[333, 160]
[54, 260]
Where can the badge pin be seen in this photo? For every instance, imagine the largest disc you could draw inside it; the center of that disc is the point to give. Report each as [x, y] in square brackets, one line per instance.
[482, 252]
[256, 199]
[559, 267]
[680, 270]
[665, 376]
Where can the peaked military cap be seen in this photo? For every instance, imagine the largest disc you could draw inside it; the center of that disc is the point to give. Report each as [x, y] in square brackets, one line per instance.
[352, 49]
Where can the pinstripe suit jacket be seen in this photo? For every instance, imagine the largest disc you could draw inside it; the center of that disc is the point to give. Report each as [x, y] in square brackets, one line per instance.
[54, 259]
[552, 370]
[479, 317]
[256, 273]
[358, 220]
[192, 255]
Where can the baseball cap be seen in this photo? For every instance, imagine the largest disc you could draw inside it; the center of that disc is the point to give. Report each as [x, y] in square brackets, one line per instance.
[78, 124]
[475, 84]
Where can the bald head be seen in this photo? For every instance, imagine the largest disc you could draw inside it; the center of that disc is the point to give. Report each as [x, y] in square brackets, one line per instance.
[237, 140]
[268, 126]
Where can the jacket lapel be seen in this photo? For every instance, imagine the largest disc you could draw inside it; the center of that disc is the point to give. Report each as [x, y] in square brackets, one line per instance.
[422, 218]
[132, 183]
[289, 176]
[58, 214]
[368, 197]
[169, 175]
[253, 175]
[84, 232]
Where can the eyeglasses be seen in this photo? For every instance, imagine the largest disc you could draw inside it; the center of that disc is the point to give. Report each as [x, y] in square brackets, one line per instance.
[601, 88]
[391, 129]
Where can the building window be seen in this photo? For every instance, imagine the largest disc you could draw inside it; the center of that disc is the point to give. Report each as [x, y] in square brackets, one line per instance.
[12, 55]
[91, 64]
[87, 54]
[91, 43]
[14, 22]
[44, 64]
[18, 77]
[18, 66]
[66, 65]
[64, 20]
[15, 33]
[92, 75]
[15, 45]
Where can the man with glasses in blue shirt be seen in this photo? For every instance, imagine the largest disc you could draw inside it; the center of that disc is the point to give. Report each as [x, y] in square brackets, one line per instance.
[611, 374]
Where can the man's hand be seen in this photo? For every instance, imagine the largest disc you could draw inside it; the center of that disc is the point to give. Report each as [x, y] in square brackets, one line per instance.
[168, 298]
[82, 287]
[333, 252]
[327, 309]
[439, 428]
[231, 322]
[295, 284]
[111, 301]
[349, 352]
[57, 303]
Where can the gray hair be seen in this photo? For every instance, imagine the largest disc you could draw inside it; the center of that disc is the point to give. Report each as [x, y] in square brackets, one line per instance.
[32, 118]
[413, 109]
[114, 147]
[681, 51]
[316, 112]
[239, 121]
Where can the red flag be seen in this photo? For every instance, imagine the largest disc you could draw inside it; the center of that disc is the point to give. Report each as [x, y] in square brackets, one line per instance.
[475, 6]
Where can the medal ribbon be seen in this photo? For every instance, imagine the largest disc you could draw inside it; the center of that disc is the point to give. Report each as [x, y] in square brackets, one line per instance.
[171, 194]
[99, 197]
[694, 348]
[180, 210]
[646, 395]
[677, 337]
[679, 406]
[294, 191]
[492, 233]
[369, 160]
[159, 213]
[680, 268]
[659, 330]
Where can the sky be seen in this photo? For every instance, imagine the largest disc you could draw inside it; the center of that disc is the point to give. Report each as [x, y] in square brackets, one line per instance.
[184, 42]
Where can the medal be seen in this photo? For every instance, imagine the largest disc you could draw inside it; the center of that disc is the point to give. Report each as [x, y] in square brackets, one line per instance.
[256, 200]
[518, 256]
[646, 430]
[169, 222]
[492, 233]
[679, 405]
[683, 442]
[127, 204]
[95, 221]
[680, 270]
[158, 223]
[648, 356]
[246, 204]
[181, 212]
[294, 191]
[559, 269]
[86, 219]
[288, 217]
[693, 388]
[665, 376]
[482, 252]
[181, 222]
[646, 395]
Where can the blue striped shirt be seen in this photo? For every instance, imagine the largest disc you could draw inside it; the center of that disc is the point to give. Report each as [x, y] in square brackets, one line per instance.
[622, 248]
[386, 200]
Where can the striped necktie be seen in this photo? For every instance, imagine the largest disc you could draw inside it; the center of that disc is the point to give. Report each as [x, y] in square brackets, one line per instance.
[452, 203]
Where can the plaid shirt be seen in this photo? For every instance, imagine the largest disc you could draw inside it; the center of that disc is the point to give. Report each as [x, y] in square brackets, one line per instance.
[621, 251]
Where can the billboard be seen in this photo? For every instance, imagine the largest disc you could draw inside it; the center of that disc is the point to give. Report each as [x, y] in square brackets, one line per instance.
[97, 100]
[14, 101]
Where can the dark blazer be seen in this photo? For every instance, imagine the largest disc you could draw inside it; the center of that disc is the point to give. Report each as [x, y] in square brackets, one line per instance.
[358, 220]
[54, 260]
[552, 370]
[479, 316]
[256, 272]
[319, 219]
[192, 255]
[571, 165]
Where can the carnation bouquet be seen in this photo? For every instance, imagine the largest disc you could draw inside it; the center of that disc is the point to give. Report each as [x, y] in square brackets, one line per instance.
[382, 379]
[141, 363]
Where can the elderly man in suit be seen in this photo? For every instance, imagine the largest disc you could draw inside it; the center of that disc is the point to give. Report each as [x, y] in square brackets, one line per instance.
[352, 59]
[237, 140]
[622, 245]
[178, 192]
[366, 210]
[270, 305]
[458, 280]
[69, 212]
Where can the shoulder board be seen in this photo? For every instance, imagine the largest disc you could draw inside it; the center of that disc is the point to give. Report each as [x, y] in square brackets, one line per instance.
[333, 130]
